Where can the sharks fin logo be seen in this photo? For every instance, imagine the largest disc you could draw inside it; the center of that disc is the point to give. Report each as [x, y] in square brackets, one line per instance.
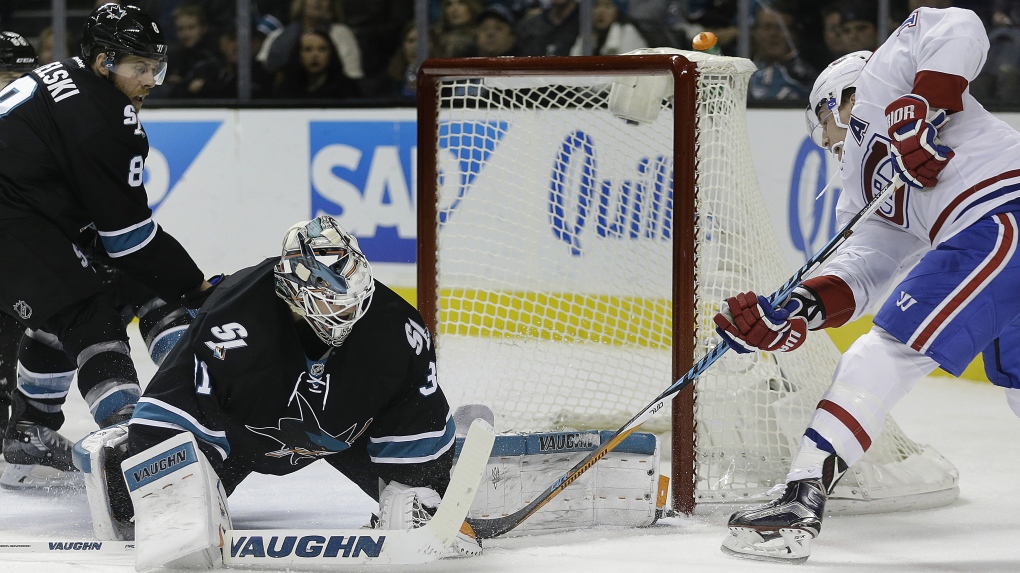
[303, 437]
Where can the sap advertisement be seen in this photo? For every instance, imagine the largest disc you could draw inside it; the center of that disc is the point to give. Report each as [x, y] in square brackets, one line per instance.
[229, 183]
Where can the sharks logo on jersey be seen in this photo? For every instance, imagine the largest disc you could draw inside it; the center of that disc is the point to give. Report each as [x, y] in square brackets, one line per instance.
[302, 437]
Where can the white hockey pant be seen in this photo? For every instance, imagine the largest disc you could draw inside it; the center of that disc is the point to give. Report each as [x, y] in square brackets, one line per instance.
[872, 376]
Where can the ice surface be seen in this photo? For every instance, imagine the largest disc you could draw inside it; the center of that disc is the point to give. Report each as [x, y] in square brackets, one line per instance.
[968, 422]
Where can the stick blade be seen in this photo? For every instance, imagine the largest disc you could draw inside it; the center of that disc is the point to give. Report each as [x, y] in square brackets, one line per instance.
[474, 457]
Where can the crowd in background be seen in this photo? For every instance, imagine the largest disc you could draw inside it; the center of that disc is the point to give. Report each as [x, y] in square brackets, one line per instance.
[343, 49]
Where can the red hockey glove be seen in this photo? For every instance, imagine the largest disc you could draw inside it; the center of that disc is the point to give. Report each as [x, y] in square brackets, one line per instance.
[918, 153]
[749, 323]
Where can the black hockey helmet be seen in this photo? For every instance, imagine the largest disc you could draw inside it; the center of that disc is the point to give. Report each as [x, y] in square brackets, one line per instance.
[123, 30]
[16, 54]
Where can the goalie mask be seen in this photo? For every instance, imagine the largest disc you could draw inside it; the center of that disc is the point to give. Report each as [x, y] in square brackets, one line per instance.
[324, 277]
[827, 94]
[120, 31]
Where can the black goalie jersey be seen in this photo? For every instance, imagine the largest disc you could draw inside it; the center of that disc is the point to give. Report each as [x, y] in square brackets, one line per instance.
[241, 382]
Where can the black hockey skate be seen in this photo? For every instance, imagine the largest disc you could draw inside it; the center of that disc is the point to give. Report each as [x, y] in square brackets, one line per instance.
[37, 456]
[782, 529]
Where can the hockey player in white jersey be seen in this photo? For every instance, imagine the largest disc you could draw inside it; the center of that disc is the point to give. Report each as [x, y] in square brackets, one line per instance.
[903, 114]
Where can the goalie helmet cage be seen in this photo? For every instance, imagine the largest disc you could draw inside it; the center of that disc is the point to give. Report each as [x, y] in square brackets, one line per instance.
[562, 295]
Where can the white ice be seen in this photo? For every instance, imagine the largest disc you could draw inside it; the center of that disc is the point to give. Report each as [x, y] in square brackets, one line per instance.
[968, 422]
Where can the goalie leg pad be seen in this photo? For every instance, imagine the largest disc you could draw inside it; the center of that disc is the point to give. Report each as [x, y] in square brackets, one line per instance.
[98, 456]
[622, 489]
[181, 512]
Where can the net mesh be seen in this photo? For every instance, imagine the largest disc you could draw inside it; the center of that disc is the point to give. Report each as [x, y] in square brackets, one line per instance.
[554, 277]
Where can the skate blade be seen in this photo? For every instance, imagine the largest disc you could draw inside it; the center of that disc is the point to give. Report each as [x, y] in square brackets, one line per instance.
[21, 476]
[791, 546]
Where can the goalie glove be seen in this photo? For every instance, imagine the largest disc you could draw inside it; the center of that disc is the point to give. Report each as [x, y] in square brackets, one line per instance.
[749, 323]
[405, 507]
[913, 127]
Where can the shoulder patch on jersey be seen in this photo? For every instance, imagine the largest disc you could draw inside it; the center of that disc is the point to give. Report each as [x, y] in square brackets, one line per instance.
[910, 22]
[858, 127]
[230, 335]
[417, 336]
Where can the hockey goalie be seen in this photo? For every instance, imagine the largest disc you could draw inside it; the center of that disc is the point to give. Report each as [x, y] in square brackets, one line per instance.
[302, 357]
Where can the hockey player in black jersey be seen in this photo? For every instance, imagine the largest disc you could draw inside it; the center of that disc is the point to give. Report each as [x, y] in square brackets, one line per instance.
[17, 57]
[300, 358]
[73, 153]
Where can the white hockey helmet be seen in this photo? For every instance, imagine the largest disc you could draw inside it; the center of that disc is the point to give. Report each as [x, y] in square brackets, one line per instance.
[827, 92]
[324, 277]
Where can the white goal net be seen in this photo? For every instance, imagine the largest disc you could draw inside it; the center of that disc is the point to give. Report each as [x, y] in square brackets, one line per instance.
[569, 257]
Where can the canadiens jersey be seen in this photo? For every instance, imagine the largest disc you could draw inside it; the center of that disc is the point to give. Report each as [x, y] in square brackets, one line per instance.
[240, 381]
[982, 178]
[72, 150]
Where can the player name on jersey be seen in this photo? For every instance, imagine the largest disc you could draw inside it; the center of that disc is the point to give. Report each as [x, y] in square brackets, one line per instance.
[58, 82]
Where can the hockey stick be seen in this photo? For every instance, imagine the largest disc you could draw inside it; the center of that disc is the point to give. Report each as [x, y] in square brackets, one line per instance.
[64, 546]
[492, 527]
[309, 547]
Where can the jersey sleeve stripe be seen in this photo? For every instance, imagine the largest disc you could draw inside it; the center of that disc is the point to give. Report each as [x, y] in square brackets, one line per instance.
[158, 413]
[128, 240]
[412, 449]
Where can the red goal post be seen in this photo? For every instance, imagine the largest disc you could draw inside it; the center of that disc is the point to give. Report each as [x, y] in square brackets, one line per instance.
[562, 295]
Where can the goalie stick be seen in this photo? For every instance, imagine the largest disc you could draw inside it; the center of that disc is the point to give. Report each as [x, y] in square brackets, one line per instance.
[486, 528]
[311, 547]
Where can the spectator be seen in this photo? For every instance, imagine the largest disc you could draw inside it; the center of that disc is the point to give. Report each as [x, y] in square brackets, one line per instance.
[377, 25]
[1005, 14]
[999, 80]
[860, 28]
[820, 32]
[194, 46]
[306, 15]
[275, 11]
[402, 70]
[832, 22]
[614, 34]
[455, 34]
[314, 70]
[551, 32]
[46, 45]
[496, 32]
[664, 23]
[782, 74]
[218, 78]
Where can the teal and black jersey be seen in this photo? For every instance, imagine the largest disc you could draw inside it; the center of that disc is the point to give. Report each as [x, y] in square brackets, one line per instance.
[72, 152]
[261, 393]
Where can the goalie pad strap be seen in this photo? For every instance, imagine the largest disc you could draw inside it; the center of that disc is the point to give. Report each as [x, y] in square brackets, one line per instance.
[836, 298]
